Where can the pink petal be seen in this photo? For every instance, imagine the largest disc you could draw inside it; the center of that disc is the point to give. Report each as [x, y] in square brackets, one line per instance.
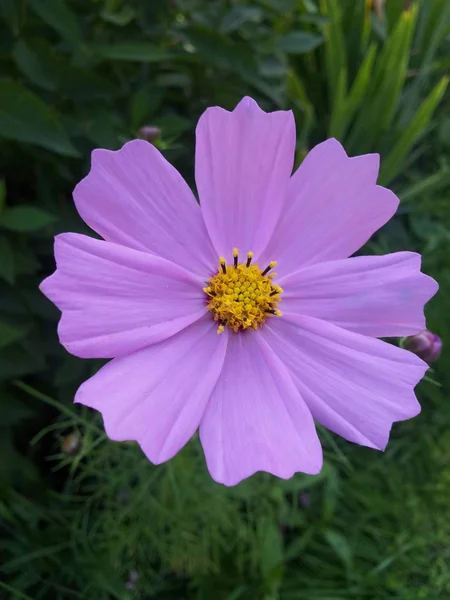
[243, 163]
[116, 300]
[157, 396]
[136, 198]
[333, 208]
[354, 385]
[256, 420]
[381, 296]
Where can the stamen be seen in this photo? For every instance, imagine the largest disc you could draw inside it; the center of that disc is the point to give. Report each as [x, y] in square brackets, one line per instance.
[242, 296]
[209, 291]
[271, 266]
[235, 257]
[223, 265]
[273, 311]
[276, 290]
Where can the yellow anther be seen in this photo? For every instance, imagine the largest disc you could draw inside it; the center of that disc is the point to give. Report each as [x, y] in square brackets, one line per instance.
[271, 265]
[278, 313]
[235, 257]
[242, 296]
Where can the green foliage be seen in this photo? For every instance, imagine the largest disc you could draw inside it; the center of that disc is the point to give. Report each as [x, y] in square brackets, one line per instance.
[78, 513]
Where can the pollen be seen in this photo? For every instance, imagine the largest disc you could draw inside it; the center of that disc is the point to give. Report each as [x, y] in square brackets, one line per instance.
[241, 295]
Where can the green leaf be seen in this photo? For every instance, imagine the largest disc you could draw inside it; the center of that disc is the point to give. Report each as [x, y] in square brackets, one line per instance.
[239, 15]
[103, 127]
[380, 104]
[340, 545]
[30, 66]
[143, 104]
[297, 42]
[444, 132]
[280, 6]
[427, 186]
[344, 109]
[58, 16]
[26, 118]
[316, 19]
[172, 125]
[270, 548]
[25, 218]
[220, 51]
[297, 94]
[335, 50]
[432, 27]
[121, 18]
[132, 51]
[395, 160]
[6, 260]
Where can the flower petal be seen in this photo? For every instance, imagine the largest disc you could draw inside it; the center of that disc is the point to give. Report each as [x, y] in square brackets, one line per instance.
[243, 163]
[116, 300]
[256, 420]
[332, 209]
[381, 296]
[134, 197]
[354, 385]
[157, 396]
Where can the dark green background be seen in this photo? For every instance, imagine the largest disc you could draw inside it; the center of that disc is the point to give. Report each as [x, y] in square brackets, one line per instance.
[78, 513]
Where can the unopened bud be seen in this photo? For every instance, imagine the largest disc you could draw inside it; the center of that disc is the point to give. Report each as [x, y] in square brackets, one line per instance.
[426, 345]
[71, 444]
[149, 133]
[304, 499]
[132, 579]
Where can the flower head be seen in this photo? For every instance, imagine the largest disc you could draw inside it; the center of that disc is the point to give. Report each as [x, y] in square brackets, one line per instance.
[205, 334]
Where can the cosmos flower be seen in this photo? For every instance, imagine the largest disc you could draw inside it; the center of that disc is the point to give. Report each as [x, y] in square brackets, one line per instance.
[204, 334]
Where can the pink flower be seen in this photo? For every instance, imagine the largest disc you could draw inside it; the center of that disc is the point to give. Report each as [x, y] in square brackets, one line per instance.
[155, 293]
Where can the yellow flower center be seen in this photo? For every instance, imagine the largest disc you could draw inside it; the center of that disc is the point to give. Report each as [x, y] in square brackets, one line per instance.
[241, 295]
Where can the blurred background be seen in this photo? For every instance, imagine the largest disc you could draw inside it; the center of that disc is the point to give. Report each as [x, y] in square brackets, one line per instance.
[85, 518]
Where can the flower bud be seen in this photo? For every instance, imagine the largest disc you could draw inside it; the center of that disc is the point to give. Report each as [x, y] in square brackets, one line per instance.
[304, 499]
[426, 345]
[149, 133]
[132, 579]
[71, 444]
